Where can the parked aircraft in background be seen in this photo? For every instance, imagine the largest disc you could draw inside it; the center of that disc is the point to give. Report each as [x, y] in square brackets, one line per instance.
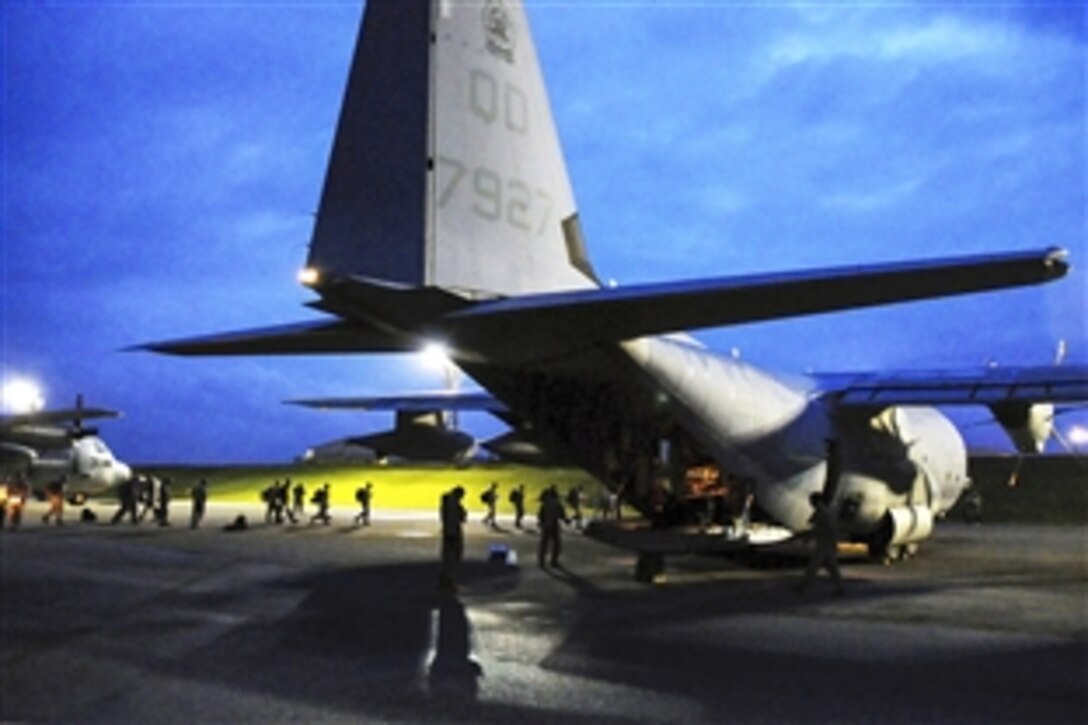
[447, 214]
[423, 430]
[45, 446]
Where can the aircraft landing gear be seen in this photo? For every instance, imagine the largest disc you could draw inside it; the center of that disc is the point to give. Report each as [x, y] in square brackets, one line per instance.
[888, 554]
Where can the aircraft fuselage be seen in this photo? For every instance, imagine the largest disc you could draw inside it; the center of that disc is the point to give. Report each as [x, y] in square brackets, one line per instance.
[774, 432]
[86, 464]
[665, 404]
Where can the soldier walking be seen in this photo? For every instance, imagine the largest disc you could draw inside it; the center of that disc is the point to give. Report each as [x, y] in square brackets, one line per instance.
[126, 495]
[490, 497]
[200, 499]
[453, 515]
[549, 517]
[517, 497]
[826, 552]
[362, 495]
[298, 496]
[321, 498]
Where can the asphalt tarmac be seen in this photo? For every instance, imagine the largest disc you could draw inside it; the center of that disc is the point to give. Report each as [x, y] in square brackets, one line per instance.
[144, 624]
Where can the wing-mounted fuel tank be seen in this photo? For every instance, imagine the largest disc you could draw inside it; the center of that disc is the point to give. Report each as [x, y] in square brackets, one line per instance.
[1028, 425]
[420, 436]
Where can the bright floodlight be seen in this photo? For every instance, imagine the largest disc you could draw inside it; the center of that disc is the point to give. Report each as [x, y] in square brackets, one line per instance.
[308, 276]
[435, 355]
[1078, 435]
[22, 396]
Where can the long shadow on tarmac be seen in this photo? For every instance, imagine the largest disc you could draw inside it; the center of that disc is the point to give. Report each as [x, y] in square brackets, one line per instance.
[404, 647]
[675, 641]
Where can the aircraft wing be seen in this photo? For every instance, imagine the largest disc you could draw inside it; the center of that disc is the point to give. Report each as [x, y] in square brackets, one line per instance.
[14, 453]
[542, 326]
[52, 417]
[985, 386]
[412, 402]
[582, 318]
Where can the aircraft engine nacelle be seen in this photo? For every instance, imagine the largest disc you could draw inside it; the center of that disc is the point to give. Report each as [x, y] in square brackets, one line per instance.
[902, 470]
[909, 524]
[1028, 426]
[420, 443]
[864, 501]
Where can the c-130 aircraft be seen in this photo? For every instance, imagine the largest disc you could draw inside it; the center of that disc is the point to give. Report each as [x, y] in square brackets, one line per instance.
[447, 215]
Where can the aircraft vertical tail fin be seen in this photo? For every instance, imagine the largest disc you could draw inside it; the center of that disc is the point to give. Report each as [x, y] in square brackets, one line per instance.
[446, 170]
[370, 220]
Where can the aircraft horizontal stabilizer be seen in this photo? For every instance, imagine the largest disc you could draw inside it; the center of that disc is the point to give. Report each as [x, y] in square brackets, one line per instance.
[581, 318]
[412, 402]
[986, 386]
[302, 338]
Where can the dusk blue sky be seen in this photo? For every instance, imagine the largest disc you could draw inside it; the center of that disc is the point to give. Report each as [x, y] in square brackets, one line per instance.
[162, 162]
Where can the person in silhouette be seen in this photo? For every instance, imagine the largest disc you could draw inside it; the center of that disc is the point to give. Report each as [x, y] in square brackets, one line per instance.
[162, 513]
[574, 500]
[126, 497]
[453, 515]
[825, 553]
[490, 497]
[321, 498]
[145, 495]
[298, 498]
[363, 495]
[550, 516]
[517, 497]
[200, 500]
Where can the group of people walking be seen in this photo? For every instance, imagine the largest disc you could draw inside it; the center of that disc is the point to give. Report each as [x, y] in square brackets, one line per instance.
[490, 498]
[551, 515]
[284, 501]
[141, 495]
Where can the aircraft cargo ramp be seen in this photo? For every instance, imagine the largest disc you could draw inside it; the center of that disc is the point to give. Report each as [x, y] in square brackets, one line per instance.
[653, 544]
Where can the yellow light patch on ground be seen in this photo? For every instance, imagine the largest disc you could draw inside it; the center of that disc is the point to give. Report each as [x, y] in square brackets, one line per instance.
[395, 487]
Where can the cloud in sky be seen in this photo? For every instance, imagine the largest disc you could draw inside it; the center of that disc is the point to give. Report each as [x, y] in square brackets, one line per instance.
[162, 162]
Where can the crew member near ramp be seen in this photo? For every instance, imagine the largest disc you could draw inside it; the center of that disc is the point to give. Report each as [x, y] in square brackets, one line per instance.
[453, 516]
[825, 554]
[549, 517]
